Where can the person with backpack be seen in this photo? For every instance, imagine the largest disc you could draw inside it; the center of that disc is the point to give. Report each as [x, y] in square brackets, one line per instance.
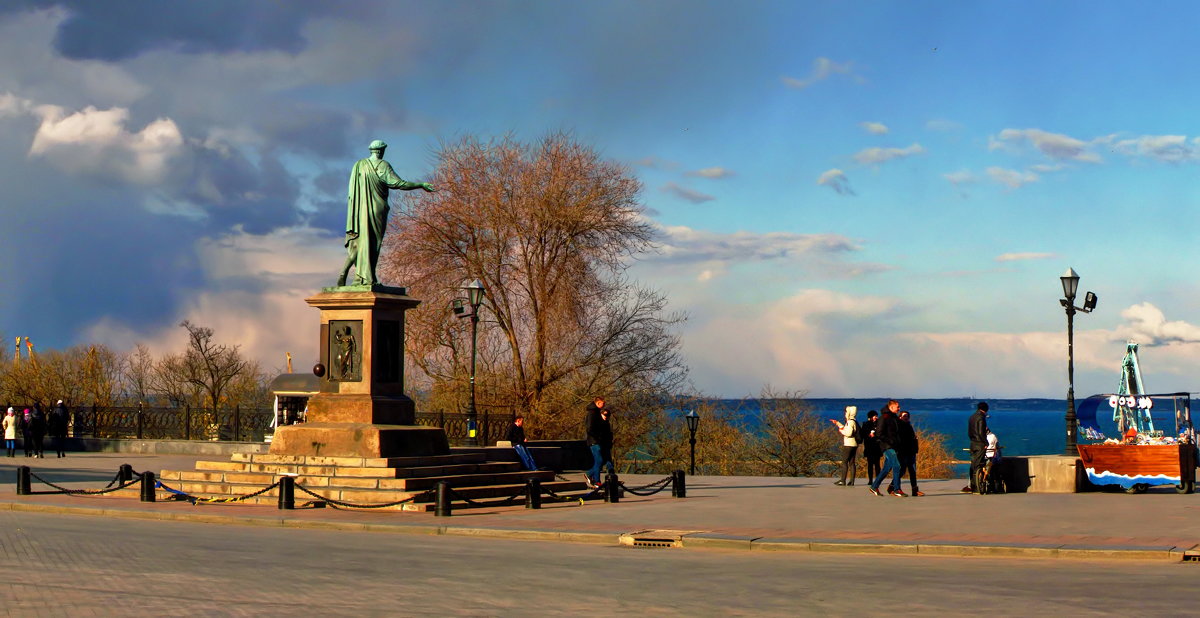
[849, 431]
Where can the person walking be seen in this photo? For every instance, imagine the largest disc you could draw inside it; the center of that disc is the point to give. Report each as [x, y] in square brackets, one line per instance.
[59, 419]
[599, 439]
[977, 431]
[907, 454]
[888, 433]
[10, 433]
[849, 431]
[37, 431]
[870, 445]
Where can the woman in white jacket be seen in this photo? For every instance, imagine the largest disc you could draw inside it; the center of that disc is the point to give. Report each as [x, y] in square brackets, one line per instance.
[849, 431]
[10, 433]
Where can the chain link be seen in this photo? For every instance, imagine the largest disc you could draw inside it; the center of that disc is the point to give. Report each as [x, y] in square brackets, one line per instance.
[339, 503]
[85, 492]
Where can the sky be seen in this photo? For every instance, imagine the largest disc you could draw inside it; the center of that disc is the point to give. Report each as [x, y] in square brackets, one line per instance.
[852, 199]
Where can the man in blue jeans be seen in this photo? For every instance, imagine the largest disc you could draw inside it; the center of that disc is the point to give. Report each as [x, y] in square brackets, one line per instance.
[599, 439]
[888, 434]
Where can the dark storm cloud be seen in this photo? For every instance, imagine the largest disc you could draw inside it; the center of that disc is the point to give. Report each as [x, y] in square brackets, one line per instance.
[231, 191]
[121, 29]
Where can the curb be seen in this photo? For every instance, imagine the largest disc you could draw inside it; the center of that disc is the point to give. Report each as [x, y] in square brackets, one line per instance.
[689, 540]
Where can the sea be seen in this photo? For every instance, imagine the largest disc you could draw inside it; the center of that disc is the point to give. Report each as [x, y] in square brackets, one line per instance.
[1024, 426]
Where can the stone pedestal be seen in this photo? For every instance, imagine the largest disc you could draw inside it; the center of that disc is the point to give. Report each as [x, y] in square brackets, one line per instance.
[361, 409]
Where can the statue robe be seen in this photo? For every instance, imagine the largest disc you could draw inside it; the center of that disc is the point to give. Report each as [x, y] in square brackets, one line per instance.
[367, 213]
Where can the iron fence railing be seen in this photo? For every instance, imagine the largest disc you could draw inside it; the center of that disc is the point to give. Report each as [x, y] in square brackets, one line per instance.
[147, 423]
[244, 424]
[491, 425]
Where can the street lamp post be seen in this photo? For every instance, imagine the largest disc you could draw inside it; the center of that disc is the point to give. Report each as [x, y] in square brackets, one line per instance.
[693, 422]
[475, 293]
[1070, 285]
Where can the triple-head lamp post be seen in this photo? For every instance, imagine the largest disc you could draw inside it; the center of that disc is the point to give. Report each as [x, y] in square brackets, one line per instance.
[1070, 285]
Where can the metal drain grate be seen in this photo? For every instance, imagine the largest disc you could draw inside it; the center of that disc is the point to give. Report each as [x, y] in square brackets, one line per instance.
[656, 543]
[655, 538]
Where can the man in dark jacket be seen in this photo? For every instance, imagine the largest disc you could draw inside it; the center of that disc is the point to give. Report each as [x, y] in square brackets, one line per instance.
[907, 453]
[888, 433]
[977, 431]
[37, 430]
[516, 437]
[599, 439]
[871, 444]
[59, 419]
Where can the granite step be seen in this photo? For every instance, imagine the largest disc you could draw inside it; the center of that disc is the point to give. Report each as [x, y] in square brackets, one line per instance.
[366, 462]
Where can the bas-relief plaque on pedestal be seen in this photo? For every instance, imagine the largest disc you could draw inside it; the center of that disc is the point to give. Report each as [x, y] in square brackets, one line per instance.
[345, 347]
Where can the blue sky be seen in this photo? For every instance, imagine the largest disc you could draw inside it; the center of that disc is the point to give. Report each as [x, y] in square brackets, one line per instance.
[853, 198]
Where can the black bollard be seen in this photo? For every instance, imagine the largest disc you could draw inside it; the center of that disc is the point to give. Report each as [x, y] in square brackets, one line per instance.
[678, 484]
[148, 483]
[612, 488]
[23, 481]
[124, 474]
[441, 506]
[287, 492]
[533, 494]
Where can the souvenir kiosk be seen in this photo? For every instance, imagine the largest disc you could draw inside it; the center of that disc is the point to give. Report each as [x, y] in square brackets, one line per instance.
[1150, 439]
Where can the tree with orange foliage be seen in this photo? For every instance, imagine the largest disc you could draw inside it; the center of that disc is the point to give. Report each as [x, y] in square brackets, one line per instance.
[549, 228]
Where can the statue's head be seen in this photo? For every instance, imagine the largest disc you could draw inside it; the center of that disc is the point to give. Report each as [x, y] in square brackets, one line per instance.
[377, 146]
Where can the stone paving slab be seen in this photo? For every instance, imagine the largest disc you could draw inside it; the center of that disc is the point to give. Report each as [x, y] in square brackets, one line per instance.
[722, 513]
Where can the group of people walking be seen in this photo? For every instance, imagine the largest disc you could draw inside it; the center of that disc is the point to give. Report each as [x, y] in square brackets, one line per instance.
[33, 425]
[890, 438]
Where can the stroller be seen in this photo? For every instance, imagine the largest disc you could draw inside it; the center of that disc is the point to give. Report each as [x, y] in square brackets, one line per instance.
[988, 479]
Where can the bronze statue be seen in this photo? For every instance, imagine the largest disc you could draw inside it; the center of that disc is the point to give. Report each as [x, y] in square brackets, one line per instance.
[367, 213]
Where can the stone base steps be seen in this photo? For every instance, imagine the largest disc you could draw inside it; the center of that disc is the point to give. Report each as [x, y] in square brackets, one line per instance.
[358, 480]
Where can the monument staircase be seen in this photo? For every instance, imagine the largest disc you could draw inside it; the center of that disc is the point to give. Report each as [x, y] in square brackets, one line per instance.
[360, 446]
[363, 481]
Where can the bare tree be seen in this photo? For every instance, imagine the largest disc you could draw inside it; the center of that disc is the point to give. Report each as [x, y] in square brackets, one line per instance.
[138, 374]
[549, 228]
[207, 366]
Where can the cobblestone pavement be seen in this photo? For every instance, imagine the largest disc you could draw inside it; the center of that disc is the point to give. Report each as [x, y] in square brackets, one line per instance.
[61, 565]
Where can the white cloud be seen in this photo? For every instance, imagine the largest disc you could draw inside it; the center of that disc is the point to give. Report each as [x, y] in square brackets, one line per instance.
[685, 193]
[834, 344]
[712, 172]
[962, 177]
[875, 156]
[1018, 257]
[837, 180]
[98, 141]
[1162, 148]
[255, 298]
[1148, 325]
[874, 128]
[1011, 178]
[1053, 145]
[823, 68]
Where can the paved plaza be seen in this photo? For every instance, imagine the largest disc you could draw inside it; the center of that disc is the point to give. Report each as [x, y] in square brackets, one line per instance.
[783, 514]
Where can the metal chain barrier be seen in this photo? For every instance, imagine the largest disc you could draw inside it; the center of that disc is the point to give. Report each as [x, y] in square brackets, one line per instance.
[657, 487]
[197, 499]
[351, 505]
[509, 500]
[85, 492]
